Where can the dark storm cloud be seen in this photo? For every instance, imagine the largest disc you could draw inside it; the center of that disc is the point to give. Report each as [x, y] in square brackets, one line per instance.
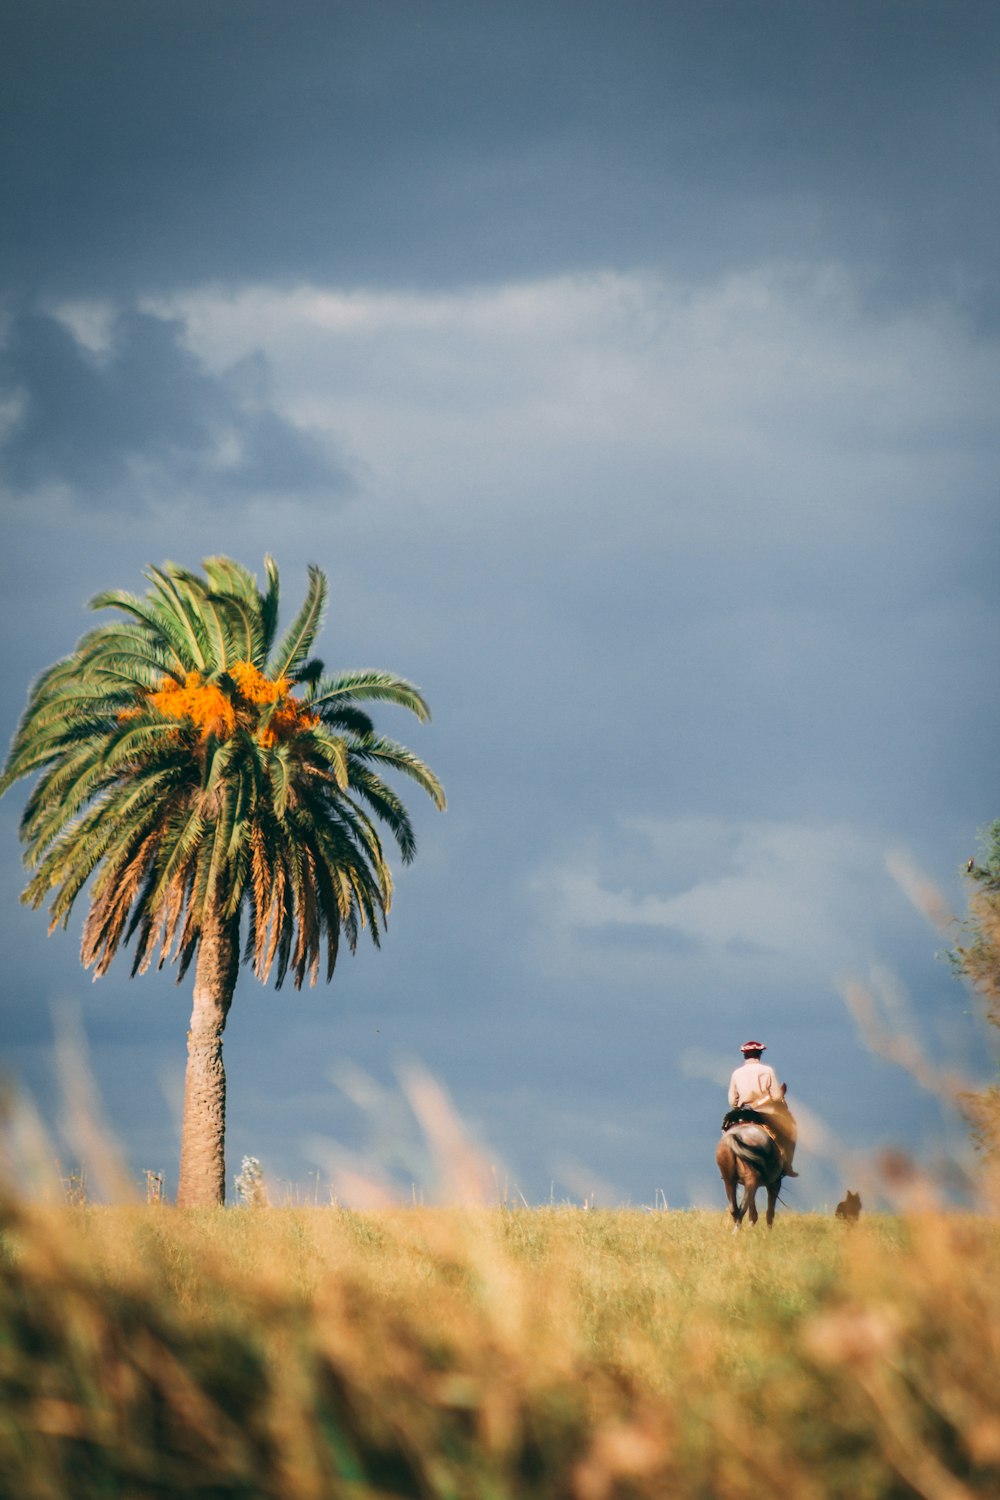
[145, 412]
[427, 144]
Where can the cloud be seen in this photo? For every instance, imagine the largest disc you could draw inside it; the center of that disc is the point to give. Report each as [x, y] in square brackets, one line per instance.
[761, 377]
[117, 409]
[722, 897]
[702, 541]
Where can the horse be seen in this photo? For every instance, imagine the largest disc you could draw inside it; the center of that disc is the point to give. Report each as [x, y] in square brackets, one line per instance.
[749, 1155]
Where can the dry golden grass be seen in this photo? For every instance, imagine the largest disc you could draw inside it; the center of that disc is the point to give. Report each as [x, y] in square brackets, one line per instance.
[302, 1353]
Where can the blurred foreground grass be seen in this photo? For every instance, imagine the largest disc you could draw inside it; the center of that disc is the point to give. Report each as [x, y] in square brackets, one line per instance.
[487, 1354]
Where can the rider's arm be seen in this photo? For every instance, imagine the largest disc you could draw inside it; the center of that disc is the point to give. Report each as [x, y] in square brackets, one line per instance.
[774, 1088]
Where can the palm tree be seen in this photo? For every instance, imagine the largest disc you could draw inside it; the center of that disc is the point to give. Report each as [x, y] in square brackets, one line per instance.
[200, 776]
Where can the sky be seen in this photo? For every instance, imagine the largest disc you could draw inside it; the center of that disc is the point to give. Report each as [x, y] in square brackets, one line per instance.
[631, 371]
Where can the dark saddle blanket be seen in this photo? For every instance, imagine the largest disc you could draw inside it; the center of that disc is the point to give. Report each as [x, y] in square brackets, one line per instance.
[745, 1117]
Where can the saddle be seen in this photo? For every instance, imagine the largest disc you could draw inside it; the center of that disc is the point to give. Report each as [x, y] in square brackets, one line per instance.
[746, 1117]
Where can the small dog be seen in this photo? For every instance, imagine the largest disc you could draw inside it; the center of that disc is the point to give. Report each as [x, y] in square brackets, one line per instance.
[849, 1208]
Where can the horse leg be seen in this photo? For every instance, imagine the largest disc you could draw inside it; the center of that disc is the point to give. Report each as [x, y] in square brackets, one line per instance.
[730, 1172]
[773, 1188]
[750, 1199]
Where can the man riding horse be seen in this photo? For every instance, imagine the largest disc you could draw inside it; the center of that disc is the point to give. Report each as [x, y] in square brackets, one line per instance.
[758, 1137]
[756, 1095]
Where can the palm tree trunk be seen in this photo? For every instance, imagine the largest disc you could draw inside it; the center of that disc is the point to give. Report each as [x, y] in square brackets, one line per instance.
[202, 1181]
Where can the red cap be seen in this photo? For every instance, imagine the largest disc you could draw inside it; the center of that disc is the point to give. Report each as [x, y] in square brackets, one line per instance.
[753, 1047]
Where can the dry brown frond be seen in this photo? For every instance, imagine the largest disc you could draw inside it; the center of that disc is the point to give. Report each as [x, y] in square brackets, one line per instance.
[109, 911]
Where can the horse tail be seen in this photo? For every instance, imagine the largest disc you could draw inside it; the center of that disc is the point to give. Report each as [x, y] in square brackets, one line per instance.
[756, 1149]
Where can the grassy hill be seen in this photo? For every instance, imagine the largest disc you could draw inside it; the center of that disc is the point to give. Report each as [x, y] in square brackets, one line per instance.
[305, 1353]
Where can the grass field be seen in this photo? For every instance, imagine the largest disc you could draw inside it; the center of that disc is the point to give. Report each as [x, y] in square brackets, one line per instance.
[489, 1354]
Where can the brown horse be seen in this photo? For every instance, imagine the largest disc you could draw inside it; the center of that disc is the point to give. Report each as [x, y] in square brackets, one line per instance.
[749, 1155]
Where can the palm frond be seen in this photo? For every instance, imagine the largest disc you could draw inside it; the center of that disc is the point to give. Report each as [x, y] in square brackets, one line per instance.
[344, 718]
[181, 838]
[269, 608]
[161, 624]
[280, 771]
[246, 631]
[387, 753]
[210, 618]
[136, 740]
[183, 600]
[331, 749]
[387, 807]
[98, 651]
[248, 805]
[297, 642]
[226, 576]
[371, 686]
[106, 920]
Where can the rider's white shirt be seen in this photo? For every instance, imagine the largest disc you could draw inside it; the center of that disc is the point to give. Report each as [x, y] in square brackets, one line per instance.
[753, 1084]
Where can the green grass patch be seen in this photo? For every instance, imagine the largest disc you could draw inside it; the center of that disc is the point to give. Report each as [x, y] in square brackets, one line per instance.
[495, 1355]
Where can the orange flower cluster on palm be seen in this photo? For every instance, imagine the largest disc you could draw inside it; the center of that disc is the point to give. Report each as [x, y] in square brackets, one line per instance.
[206, 706]
[201, 703]
[254, 686]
